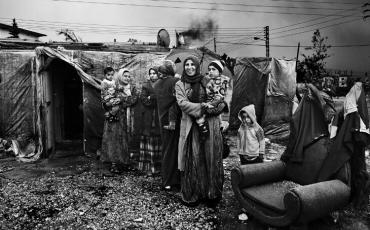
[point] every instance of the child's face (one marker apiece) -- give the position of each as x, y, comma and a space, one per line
213, 72
109, 75
246, 118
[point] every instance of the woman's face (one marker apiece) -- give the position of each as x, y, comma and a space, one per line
126, 78
213, 72
190, 68
153, 76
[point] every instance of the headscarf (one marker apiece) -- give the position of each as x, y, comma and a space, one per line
197, 76
167, 68
119, 75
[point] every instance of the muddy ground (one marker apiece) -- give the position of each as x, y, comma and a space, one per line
77, 192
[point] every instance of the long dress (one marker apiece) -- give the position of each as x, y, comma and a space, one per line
168, 111
150, 155
199, 162
115, 135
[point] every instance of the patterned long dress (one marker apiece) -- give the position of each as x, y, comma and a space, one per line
150, 155
116, 136
200, 162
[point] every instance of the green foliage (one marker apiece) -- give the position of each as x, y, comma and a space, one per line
312, 68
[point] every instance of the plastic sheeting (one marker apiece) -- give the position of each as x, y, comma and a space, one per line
250, 82
22, 96
280, 93
270, 85
18, 115
282, 78
16, 95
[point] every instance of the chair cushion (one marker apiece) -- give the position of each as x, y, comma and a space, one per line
270, 195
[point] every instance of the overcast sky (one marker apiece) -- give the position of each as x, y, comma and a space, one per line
290, 22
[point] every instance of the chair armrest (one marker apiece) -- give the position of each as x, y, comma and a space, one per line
319, 199
254, 174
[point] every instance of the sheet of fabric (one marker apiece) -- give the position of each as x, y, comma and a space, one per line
250, 82
307, 125
349, 137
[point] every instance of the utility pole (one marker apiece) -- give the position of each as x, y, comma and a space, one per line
296, 60
267, 40
214, 43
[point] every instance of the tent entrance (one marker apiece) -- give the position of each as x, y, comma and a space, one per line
66, 107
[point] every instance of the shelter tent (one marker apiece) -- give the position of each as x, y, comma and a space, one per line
270, 85
52, 96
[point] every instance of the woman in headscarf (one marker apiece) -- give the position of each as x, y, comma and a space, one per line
200, 161
169, 120
150, 140
117, 128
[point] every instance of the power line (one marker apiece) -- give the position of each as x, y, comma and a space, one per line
294, 46
126, 26
194, 8
324, 27
319, 23
307, 21
321, 2
244, 5
314, 19
131, 31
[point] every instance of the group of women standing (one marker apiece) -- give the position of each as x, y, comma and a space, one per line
171, 141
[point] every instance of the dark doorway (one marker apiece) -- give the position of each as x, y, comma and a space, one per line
67, 107
73, 115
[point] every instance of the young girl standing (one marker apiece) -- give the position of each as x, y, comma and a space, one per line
251, 140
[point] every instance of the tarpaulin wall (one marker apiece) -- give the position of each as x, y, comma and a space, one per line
280, 92
270, 85
17, 95
250, 82
89, 66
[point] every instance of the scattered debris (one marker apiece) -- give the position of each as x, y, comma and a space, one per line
243, 217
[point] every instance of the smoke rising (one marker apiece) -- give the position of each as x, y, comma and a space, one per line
200, 30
